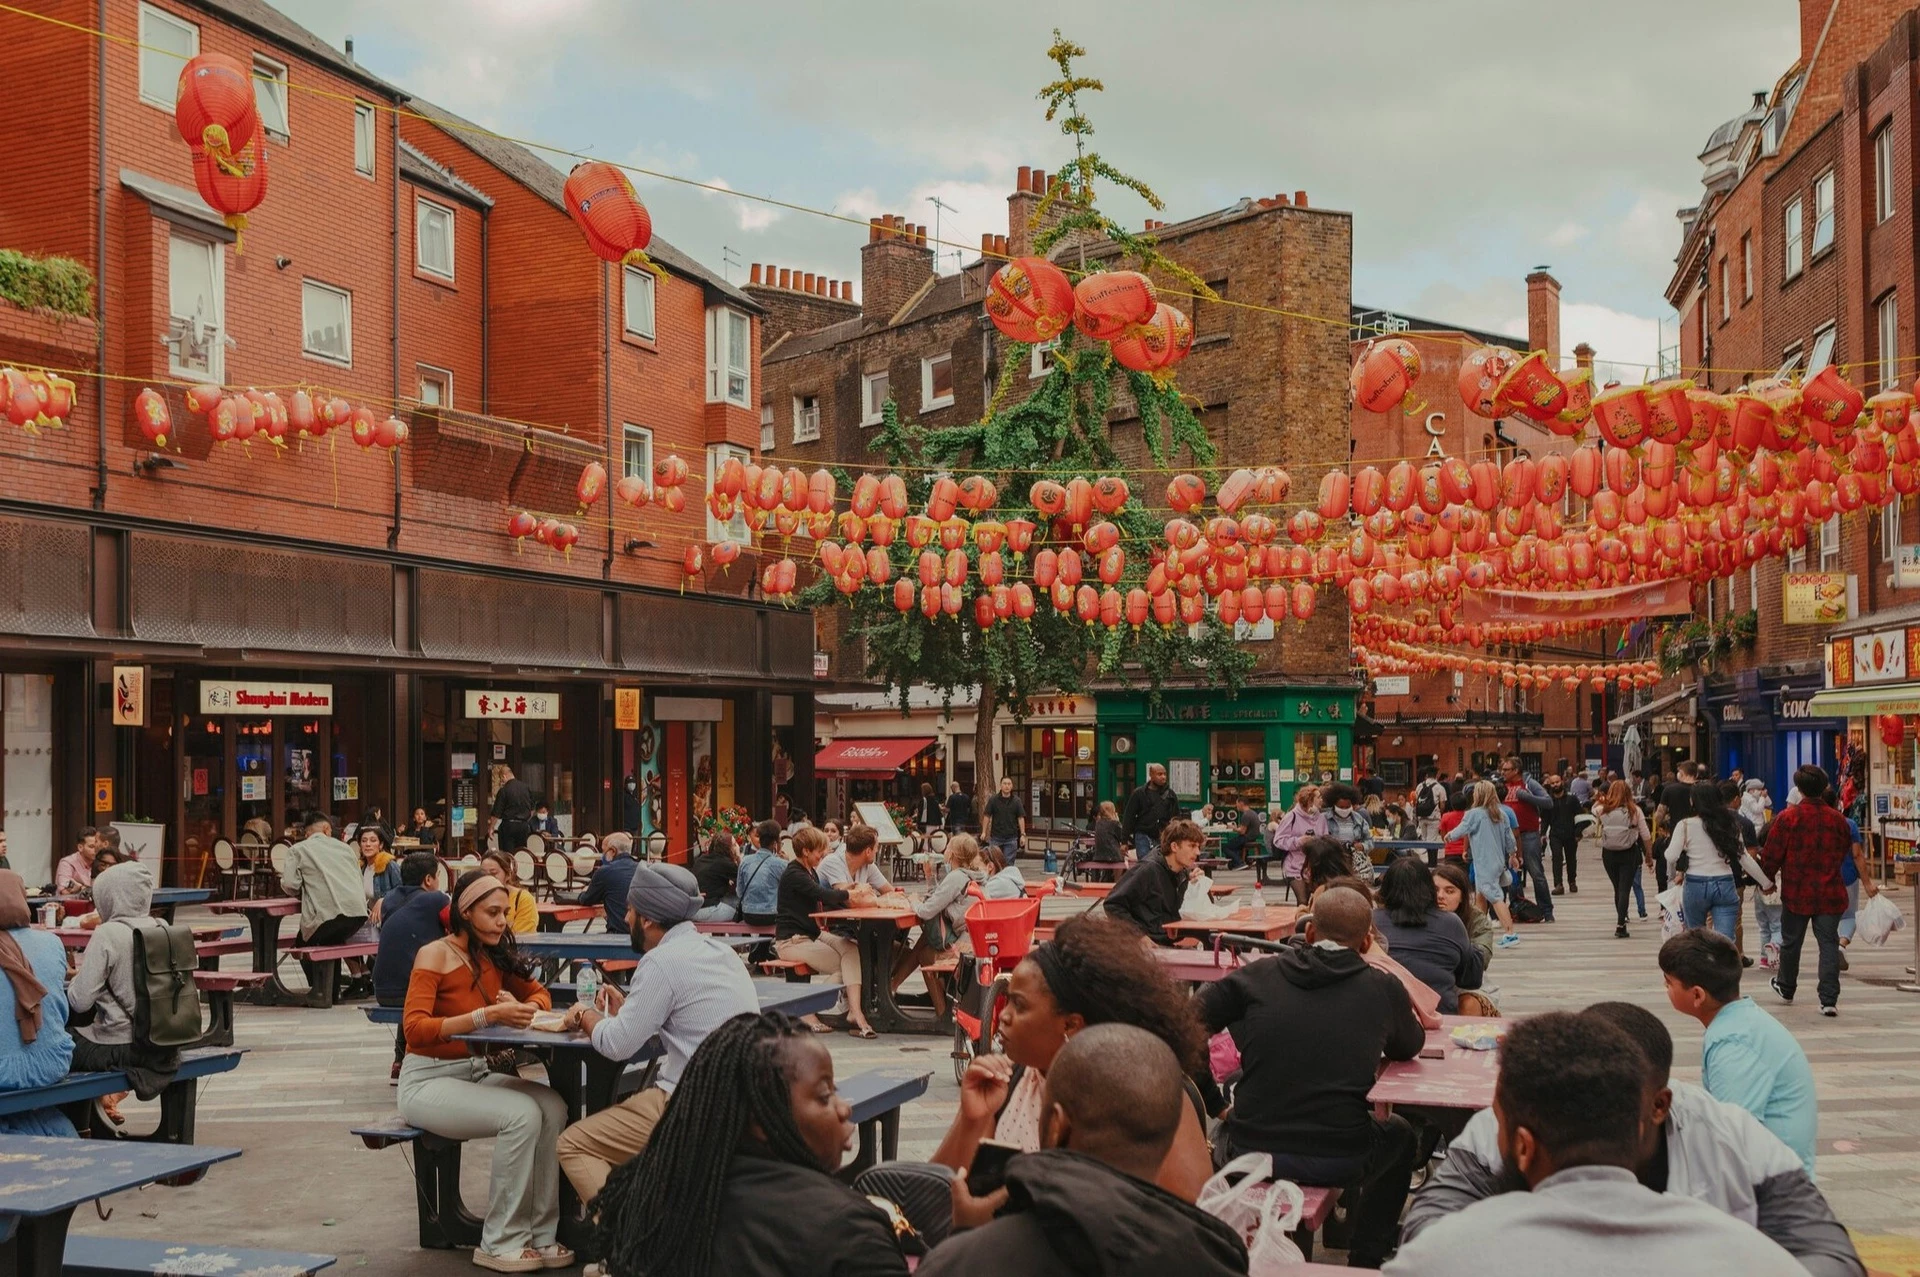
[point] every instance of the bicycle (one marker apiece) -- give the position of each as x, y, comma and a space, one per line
1002, 932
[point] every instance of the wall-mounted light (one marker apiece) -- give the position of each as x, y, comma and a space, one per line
282, 262
638, 543
144, 467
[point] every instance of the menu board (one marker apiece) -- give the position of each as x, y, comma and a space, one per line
876, 818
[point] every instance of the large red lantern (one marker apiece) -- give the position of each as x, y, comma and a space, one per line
601, 202
1030, 299
1893, 730
234, 187
1158, 344
213, 106
1107, 303
150, 413
1384, 374
1481, 373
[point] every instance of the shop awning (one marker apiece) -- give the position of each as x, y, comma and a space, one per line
868, 758
1858, 702
1649, 709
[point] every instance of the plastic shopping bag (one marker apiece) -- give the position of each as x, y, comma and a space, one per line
1878, 919
1672, 923
1196, 904
1262, 1210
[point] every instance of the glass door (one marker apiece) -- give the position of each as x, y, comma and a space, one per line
203, 781
303, 779
253, 777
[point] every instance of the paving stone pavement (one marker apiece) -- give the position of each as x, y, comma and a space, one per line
305, 1184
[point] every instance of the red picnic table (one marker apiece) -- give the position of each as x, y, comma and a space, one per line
1277, 922
1462, 1078
263, 921
555, 915
874, 929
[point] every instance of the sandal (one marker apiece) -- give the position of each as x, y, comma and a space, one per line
864, 1032
555, 1256
527, 1260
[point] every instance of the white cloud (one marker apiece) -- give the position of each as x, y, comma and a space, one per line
1566, 235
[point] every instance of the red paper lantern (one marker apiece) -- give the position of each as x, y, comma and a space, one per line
1185, 492
1030, 300
602, 203
392, 432
213, 106
632, 489
1893, 730
1107, 303
1481, 373
150, 414
1384, 374
520, 527
1158, 344
234, 187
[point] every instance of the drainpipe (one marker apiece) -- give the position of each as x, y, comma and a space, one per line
606, 384
486, 309
393, 147
100, 261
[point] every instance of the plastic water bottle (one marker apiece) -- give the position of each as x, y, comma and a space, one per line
589, 993
1259, 903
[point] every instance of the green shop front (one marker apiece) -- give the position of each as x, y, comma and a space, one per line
1264, 743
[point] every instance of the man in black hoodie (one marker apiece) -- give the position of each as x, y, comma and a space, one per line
1086, 1205
1312, 1025
409, 920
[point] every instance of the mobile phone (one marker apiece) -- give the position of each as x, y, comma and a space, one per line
988, 1173
1433, 1053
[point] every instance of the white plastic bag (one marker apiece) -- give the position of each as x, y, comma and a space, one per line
1263, 1211
1878, 919
1672, 922
1196, 903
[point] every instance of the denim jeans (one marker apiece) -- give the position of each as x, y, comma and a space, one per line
1532, 868
1766, 919
727, 910
1853, 907
1715, 897
1009, 847
1144, 844
1826, 934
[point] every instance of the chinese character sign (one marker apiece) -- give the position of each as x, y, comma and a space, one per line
543, 705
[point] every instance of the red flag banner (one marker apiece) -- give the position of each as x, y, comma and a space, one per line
1622, 603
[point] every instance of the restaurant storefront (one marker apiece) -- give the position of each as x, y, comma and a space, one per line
1872, 682
1764, 726
1050, 756
1265, 743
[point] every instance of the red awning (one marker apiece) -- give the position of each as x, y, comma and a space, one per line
874, 758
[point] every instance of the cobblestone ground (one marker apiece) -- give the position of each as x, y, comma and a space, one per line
305, 1184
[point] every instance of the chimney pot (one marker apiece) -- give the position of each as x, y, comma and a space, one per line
873, 230
1583, 356
1300, 199
1039, 186
820, 286
1543, 315
786, 277
1023, 180
833, 290
986, 243
755, 277
808, 286
1000, 245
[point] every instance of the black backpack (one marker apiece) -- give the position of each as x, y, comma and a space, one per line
1426, 804
166, 1003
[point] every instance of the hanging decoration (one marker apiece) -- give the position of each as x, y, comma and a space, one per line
602, 203
1384, 374
1030, 300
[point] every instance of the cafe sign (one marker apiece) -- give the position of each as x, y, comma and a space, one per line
1816, 598
220, 697
1884, 656
513, 704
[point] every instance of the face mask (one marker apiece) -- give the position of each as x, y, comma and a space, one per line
631, 786
1344, 809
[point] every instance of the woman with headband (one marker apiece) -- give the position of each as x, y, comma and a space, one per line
470, 979
1094, 971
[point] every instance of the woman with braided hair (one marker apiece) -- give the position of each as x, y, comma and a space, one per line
1093, 971
738, 1177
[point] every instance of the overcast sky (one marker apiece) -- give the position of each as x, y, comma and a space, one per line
1471, 139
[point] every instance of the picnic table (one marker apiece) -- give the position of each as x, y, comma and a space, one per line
47, 1178
1277, 922
556, 914
1460, 1079
874, 931
1199, 966
165, 900
263, 921
77, 937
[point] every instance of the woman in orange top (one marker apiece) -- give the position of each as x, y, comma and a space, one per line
470, 979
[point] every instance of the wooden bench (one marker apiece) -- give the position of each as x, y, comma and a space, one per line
115, 1256
219, 988
327, 958
945, 966
876, 1099
76, 1092
795, 972
211, 951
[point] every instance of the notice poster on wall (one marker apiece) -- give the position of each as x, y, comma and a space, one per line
1183, 777
199, 782
253, 789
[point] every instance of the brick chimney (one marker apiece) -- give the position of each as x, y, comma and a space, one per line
1029, 188
799, 302
895, 263
1813, 21
1583, 356
1543, 315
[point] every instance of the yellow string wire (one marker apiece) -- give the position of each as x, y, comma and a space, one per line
461, 126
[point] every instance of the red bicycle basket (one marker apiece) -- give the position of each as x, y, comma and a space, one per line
1002, 931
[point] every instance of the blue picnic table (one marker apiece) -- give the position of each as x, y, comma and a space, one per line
47, 1178
164, 899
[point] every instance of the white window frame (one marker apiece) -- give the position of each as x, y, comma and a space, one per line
630, 435
162, 95
729, 371
1820, 353
1793, 224
806, 423
423, 209
735, 529
1746, 268
1890, 530
217, 347
429, 372
928, 401
1726, 290
768, 440
1830, 541
629, 277
1883, 197
1753, 587
365, 128
1797, 558
1040, 362
870, 415
1823, 213
269, 77
308, 286
1887, 319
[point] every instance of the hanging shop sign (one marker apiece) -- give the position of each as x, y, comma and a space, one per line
1816, 598
129, 696
1622, 603
1906, 566
494, 703
218, 697
626, 709
1393, 685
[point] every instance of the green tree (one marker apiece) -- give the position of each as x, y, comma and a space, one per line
1058, 432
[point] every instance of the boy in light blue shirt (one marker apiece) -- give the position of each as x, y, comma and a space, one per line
1749, 1058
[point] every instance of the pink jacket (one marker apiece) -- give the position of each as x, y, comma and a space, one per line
1293, 829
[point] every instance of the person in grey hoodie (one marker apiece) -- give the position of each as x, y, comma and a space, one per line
1086, 1204
100, 997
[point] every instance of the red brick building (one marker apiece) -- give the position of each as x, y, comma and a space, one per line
1264, 385
1456, 722
407, 261
1800, 253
